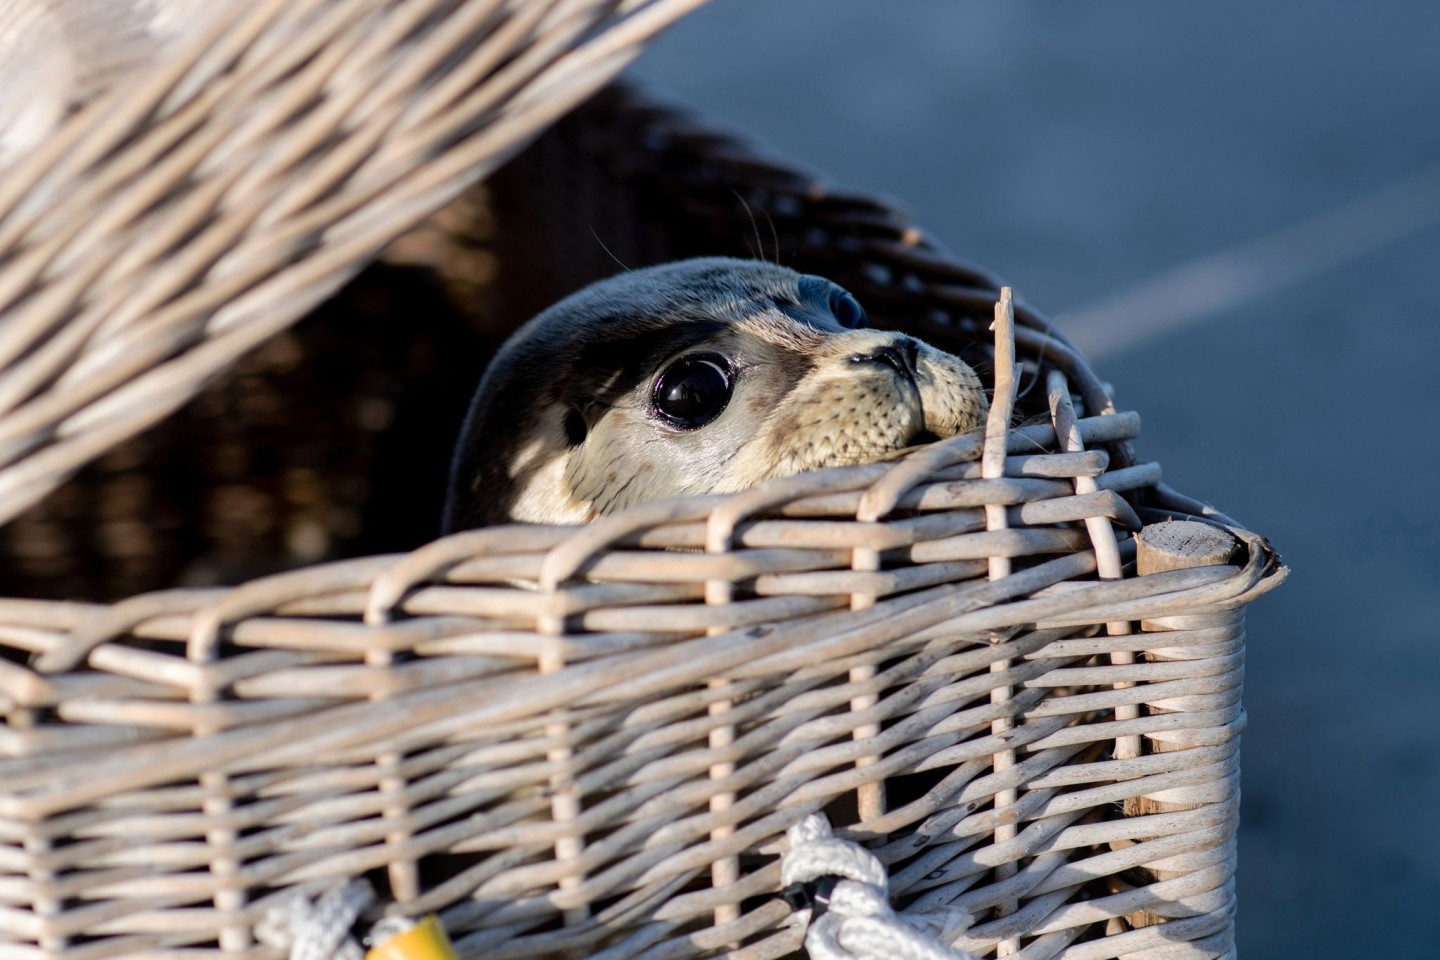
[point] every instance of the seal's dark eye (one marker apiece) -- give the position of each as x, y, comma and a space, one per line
693, 390
847, 310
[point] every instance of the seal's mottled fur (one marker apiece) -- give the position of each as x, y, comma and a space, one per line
561, 430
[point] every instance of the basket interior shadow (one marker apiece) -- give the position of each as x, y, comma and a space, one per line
333, 441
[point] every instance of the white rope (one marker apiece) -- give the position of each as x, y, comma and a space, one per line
321, 930
843, 896
840, 889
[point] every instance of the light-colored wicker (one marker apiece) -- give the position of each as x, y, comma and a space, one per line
958, 656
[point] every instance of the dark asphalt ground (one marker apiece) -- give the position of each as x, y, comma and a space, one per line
1117, 163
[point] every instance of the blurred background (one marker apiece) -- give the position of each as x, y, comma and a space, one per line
1235, 207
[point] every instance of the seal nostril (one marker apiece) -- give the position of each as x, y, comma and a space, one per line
910, 350
900, 356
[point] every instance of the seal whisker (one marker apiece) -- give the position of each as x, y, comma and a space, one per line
774, 234
611, 253
755, 227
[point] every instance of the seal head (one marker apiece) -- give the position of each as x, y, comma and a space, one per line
703, 376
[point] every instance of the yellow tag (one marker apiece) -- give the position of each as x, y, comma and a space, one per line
424, 941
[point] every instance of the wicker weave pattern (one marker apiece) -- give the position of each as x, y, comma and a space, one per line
192, 213
606, 762
323, 747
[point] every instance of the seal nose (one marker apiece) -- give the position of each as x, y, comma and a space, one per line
899, 356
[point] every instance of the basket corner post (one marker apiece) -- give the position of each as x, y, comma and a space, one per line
1192, 720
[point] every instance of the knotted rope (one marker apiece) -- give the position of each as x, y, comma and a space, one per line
841, 893
839, 890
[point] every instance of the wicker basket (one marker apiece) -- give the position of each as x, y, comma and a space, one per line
1011, 676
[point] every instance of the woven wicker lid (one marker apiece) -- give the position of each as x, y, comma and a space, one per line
212, 195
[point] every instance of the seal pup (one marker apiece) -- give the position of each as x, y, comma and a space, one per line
702, 376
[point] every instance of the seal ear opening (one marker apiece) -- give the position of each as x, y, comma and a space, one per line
575, 427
